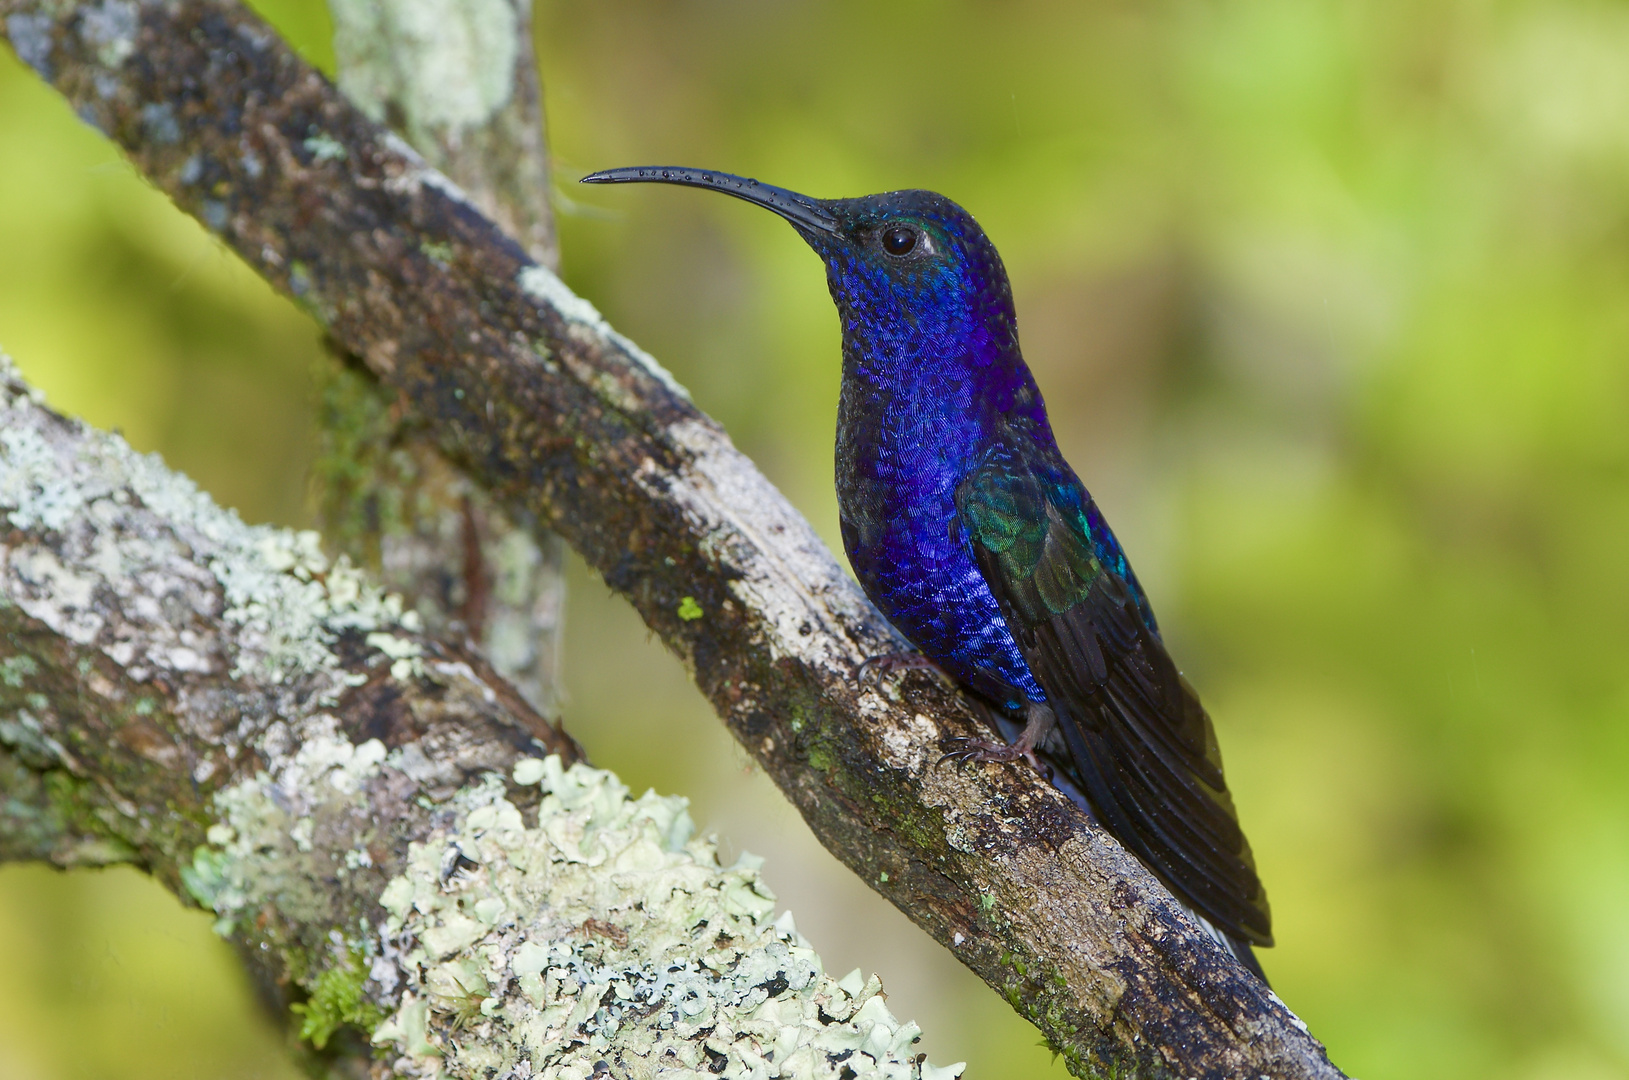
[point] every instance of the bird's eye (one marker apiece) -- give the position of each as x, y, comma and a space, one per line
899, 241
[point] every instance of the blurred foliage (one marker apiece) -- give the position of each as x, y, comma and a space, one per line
1330, 301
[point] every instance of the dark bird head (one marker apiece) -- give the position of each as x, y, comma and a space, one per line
913, 275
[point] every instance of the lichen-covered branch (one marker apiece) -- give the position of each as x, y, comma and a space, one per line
406, 854
563, 418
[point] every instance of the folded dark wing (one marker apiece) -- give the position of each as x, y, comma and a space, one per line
1143, 748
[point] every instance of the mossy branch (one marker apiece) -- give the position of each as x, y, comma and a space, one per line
567, 421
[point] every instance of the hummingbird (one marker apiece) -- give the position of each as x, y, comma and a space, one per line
970, 532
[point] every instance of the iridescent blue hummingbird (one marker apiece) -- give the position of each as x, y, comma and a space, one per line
968, 529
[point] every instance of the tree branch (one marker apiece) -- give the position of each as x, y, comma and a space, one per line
366, 808
458, 80
559, 415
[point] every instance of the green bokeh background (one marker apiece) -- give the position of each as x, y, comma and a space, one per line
1330, 301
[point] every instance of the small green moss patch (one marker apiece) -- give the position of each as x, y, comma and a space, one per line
337, 1000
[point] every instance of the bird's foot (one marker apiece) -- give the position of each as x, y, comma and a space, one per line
1039, 721
965, 749
897, 663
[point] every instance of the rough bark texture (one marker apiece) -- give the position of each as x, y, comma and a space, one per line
457, 79
369, 811
562, 417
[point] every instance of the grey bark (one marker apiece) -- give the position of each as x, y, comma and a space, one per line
529, 388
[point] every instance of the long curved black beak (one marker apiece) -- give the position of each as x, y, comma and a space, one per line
801, 210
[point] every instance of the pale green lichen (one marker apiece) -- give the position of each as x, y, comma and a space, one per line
324, 147
603, 931
606, 932
406, 655
261, 848
447, 65
15, 669
529, 771
689, 610
284, 599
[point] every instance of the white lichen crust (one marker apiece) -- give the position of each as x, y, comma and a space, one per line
112, 541
603, 932
448, 64
606, 937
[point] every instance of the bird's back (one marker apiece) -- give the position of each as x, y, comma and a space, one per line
1140, 745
